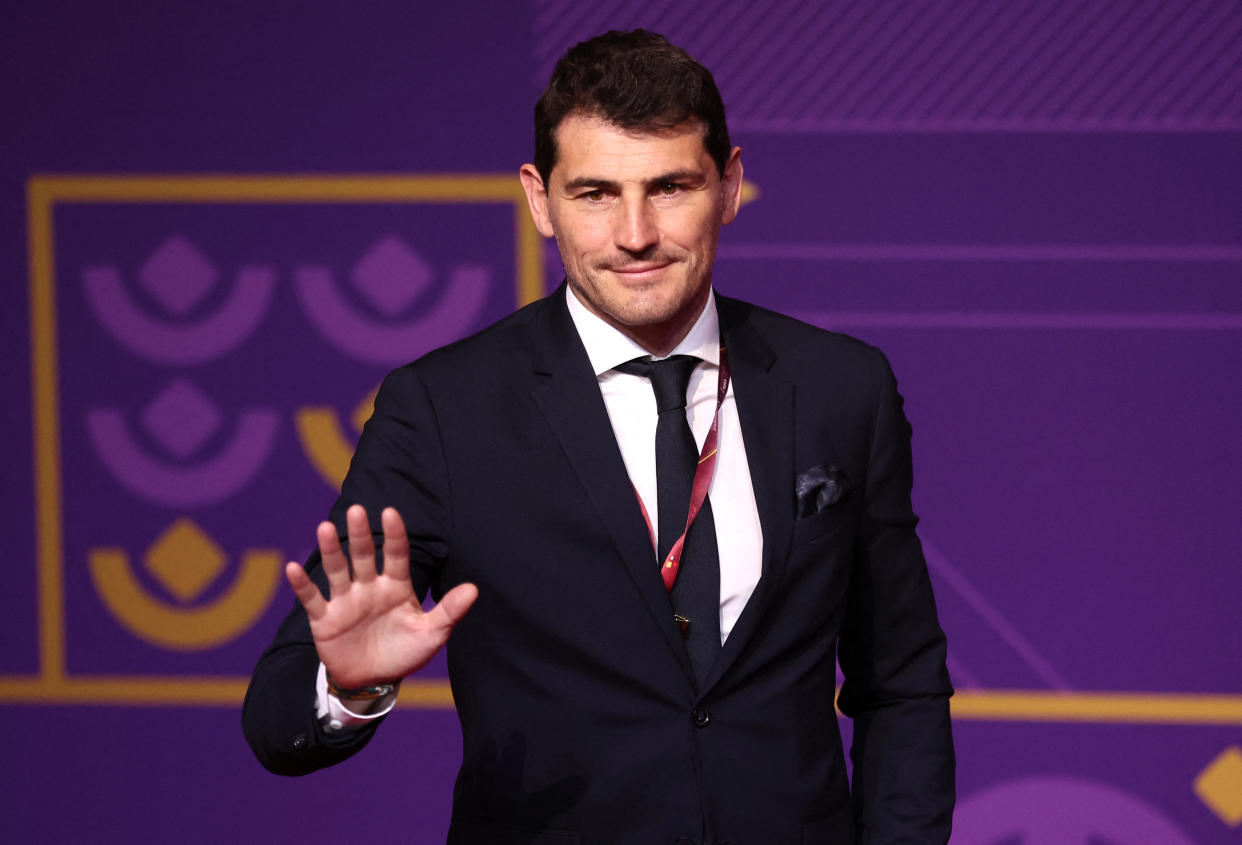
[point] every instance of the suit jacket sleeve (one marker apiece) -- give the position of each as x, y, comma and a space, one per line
399, 463
892, 652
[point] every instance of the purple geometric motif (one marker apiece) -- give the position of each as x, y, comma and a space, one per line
178, 275
944, 67
391, 275
950, 575
1061, 811
181, 419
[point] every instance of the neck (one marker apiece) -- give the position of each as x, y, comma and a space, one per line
656, 340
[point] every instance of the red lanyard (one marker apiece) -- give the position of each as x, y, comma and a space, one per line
702, 481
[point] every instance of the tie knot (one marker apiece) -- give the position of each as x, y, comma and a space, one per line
670, 377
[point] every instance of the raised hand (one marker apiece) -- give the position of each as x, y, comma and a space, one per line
372, 629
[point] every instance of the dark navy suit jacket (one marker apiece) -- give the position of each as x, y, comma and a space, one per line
580, 717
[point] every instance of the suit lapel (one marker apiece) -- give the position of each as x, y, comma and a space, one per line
765, 410
567, 393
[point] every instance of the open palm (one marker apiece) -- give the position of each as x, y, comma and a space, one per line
372, 628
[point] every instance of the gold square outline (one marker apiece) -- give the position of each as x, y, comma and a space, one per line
52, 685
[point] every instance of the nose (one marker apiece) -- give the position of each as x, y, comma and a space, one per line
636, 230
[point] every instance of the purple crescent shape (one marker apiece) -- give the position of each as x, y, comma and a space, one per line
1061, 811
170, 343
365, 340
173, 486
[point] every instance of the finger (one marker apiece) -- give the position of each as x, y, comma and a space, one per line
361, 544
453, 606
306, 591
396, 545
335, 566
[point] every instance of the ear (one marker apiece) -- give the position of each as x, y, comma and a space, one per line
537, 199
731, 186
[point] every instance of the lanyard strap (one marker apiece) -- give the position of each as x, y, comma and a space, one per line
702, 481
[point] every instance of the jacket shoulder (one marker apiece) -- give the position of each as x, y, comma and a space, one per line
496, 349
797, 345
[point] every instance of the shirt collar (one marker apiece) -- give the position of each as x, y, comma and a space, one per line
607, 347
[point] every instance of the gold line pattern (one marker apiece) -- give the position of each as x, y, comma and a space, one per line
974, 705
46, 432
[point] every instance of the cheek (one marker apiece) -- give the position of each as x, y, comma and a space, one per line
692, 232
583, 238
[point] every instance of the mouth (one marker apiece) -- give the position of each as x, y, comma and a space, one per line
640, 272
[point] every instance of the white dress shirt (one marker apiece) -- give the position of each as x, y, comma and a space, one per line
632, 409
631, 406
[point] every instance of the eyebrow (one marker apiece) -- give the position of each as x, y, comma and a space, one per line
685, 174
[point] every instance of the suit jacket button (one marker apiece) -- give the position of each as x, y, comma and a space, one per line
701, 717
299, 741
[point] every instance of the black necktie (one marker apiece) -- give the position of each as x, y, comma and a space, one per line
696, 593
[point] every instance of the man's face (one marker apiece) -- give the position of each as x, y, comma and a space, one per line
636, 216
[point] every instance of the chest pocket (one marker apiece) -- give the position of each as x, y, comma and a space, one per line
840, 516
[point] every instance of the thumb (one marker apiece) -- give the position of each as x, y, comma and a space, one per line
453, 605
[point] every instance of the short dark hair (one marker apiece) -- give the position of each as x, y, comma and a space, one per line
634, 80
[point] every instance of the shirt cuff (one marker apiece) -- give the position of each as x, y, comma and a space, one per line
334, 715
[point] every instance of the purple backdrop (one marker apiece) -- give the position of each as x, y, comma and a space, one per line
225, 222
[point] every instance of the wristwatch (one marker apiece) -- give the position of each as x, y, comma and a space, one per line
368, 693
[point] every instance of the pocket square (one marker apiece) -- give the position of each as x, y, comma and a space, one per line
820, 487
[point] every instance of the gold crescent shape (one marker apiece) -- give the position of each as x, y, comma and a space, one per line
185, 629
324, 443
364, 410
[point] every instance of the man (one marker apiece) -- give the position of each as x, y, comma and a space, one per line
616, 681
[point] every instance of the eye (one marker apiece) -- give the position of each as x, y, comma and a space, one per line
594, 196
668, 189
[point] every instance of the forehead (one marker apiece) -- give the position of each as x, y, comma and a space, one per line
591, 147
